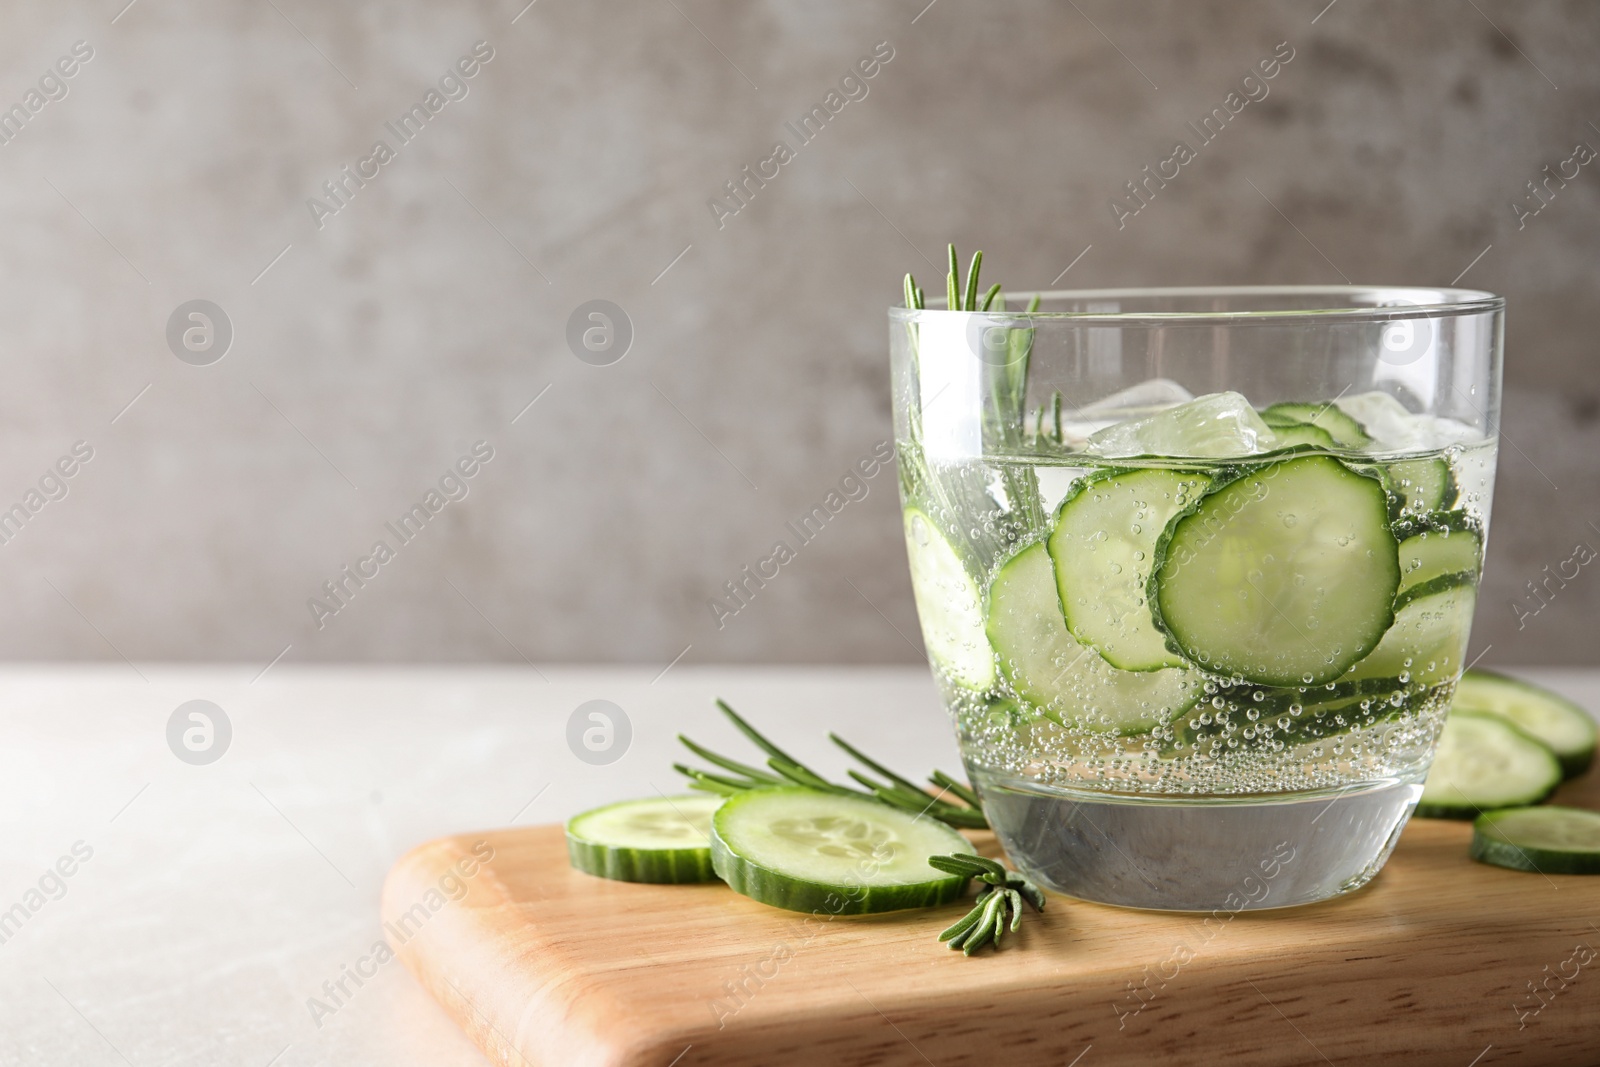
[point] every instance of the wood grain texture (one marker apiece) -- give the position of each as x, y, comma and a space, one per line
543, 965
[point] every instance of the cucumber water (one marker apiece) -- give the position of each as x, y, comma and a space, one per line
1283, 607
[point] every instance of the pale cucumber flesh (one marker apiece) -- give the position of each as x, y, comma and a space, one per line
1426, 644
1433, 554
1564, 726
949, 604
1049, 669
1285, 576
1483, 763
1103, 547
658, 839
806, 850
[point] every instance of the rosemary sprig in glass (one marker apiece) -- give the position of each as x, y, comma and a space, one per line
784, 769
1004, 892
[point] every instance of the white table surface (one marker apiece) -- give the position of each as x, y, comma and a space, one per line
218, 899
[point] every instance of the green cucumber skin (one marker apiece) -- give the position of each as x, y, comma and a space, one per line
1163, 545
1457, 813
777, 890
1457, 520
1350, 432
1573, 762
1312, 438
1442, 583
1498, 853
1315, 723
675, 866
1536, 860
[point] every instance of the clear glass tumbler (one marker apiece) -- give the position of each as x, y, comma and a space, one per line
1196, 569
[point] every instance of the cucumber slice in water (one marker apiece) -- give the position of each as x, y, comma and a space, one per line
1068, 681
805, 850
658, 839
1294, 434
1103, 546
1558, 722
1285, 576
1421, 486
1433, 554
1551, 840
948, 603
1483, 763
1346, 431
1427, 643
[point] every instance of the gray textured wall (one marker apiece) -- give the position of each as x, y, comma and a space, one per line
431, 308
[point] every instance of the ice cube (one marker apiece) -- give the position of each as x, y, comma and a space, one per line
1393, 428
1216, 425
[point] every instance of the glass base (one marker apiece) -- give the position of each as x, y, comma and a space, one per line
1232, 853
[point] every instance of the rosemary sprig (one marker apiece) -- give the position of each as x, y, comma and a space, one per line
986, 922
784, 769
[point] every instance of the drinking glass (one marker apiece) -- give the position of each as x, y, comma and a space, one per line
1196, 569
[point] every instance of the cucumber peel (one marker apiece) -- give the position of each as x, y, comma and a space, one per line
1548, 840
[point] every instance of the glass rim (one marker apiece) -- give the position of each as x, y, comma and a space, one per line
1410, 302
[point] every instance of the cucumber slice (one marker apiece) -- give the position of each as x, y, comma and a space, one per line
949, 605
805, 850
1550, 840
1103, 544
1482, 763
1434, 554
658, 839
1346, 431
1558, 722
1427, 643
1284, 576
1421, 486
1295, 434
1047, 667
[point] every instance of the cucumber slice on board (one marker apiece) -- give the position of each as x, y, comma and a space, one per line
1346, 431
1427, 644
658, 839
1103, 545
1483, 763
806, 850
1433, 554
1551, 840
948, 603
1068, 681
1421, 486
1283, 576
1558, 722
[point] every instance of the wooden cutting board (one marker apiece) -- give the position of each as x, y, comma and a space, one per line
1429, 964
